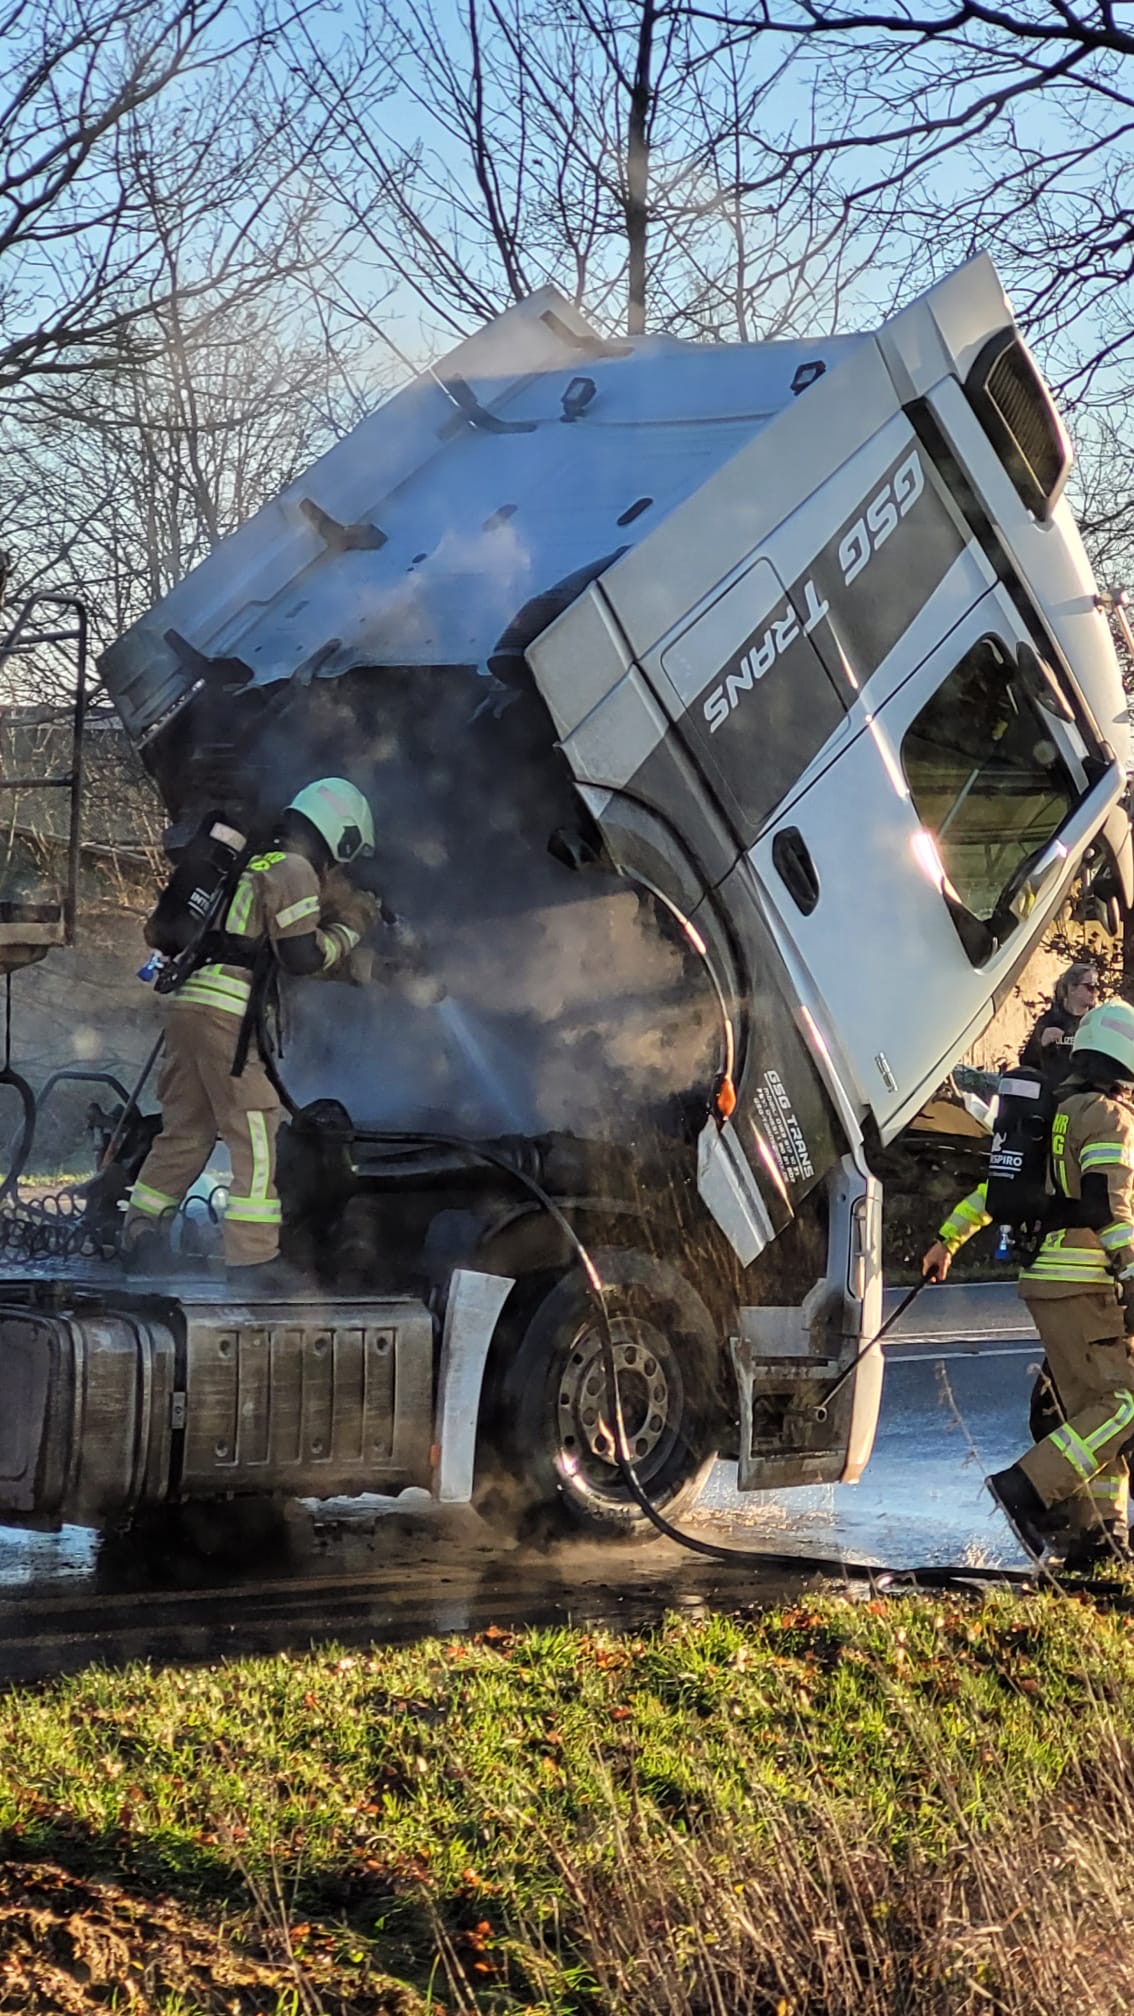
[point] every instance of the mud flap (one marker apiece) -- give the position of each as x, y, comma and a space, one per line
787, 1358
471, 1313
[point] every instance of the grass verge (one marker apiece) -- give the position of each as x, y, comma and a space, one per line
916, 1805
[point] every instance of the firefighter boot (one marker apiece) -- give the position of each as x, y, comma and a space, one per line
1107, 1546
149, 1252
1024, 1509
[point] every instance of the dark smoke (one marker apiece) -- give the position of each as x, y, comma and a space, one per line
517, 995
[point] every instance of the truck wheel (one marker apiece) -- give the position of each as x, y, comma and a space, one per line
555, 1437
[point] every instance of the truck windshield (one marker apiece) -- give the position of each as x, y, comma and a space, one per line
988, 782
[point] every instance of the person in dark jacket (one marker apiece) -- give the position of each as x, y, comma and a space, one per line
1048, 1048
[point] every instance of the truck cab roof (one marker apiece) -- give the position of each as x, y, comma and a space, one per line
535, 454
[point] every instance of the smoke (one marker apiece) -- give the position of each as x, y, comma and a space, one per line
461, 589
515, 996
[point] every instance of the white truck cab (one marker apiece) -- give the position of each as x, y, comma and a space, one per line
791, 649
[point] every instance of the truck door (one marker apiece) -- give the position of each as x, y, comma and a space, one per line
903, 869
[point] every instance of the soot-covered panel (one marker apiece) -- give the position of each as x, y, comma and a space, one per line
514, 994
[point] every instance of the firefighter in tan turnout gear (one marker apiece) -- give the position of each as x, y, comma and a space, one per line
1079, 1289
214, 1081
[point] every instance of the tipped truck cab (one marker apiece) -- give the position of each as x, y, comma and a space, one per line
736, 718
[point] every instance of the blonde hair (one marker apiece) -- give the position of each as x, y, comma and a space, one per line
1071, 978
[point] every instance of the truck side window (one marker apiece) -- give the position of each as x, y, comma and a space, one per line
989, 786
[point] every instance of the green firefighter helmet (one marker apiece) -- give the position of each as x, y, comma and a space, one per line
1108, 1031
340, 815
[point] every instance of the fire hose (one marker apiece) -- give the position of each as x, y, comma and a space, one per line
55, 1229
923, 1577
54, 1225
693, 1543
820, 1411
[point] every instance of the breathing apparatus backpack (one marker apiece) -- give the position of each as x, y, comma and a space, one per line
195, 898
1019, 1197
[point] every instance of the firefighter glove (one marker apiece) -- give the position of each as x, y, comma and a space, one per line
1126, 1291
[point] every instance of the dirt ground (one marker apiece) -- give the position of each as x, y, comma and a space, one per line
72, 1942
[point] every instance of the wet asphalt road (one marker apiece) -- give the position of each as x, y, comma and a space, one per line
947, 1420
954, 1407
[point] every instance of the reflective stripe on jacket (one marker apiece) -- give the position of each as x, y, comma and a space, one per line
965, 1218
277, 897
1091, 1133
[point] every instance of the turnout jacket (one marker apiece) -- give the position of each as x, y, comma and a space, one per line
277, 898
1092, 1135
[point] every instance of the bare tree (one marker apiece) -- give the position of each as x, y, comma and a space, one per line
84, 82
131, 477
971, 124
176, 362
610, 147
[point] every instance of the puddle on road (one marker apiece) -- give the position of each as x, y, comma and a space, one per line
921, 1501
28, 1559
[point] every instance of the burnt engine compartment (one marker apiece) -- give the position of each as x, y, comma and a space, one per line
511, 995
368, 1212
560, 1018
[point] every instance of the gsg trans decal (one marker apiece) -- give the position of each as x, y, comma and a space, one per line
854, 548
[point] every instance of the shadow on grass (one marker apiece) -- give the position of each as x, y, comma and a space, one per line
82, 1927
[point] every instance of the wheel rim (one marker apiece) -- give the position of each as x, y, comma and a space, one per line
652, 1393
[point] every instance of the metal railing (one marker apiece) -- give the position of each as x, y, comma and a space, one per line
42, 623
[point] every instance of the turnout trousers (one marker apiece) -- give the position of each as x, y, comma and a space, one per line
1081, 1464
201, 1101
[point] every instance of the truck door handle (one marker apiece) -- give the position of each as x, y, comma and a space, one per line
795, 868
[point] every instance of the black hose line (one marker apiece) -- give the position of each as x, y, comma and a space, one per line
848, 1371
52, 1227
130, 1105
27, 1099
928, 1577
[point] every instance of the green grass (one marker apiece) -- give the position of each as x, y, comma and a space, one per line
561, 1822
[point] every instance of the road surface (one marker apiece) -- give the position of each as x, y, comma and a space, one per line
954, 1406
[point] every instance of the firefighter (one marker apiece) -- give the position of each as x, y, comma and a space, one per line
1079, 1290
288, 911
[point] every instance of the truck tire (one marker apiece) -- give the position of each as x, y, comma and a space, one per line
552, 1460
